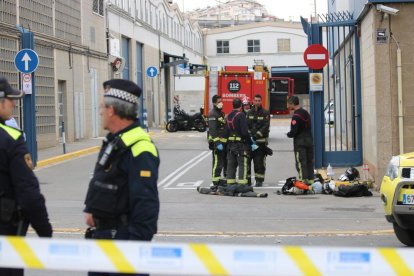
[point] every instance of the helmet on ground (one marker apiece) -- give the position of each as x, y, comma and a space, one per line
343, 177
352, 173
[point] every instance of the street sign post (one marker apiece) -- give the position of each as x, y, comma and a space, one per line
26, 61
152, 72
316, 56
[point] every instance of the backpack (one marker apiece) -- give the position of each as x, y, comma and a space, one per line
356, 190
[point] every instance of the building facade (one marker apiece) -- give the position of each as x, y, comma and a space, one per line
275, 43
82, 43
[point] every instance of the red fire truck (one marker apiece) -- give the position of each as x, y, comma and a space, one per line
236, 82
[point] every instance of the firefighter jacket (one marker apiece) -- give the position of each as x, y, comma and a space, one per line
19, 187
259, 124
217, 132
124, 183
237, 127
300, 127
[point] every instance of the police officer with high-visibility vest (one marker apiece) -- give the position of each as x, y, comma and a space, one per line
258, 120
122, 201
217, 138
239, 144
21, 203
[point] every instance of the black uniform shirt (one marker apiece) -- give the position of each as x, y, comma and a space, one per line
259, 122
300, 124
18, 182
239, 122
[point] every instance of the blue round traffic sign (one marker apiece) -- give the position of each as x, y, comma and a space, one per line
26, 61
152, 72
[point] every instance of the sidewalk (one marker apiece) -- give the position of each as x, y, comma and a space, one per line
75, 149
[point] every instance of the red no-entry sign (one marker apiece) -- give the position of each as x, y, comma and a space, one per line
316, 56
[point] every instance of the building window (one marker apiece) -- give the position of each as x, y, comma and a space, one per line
283, 45
222, 47
253, 46
98, 7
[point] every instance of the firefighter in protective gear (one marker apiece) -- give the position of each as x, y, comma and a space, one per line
300, 131
258, 120
217, 138
122, 201
21, 202
238, 144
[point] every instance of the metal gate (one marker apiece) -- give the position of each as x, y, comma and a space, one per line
336, 111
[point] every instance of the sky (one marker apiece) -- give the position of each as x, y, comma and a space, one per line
285, 9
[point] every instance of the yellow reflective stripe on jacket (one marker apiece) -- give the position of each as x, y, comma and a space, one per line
234, 139
14, 133
140, 140
142, 146
132, 136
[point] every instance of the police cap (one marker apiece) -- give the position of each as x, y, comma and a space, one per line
6, 91
125, 90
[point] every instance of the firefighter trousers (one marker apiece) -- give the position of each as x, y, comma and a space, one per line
219, 164
259, 161
237, 158
304, 161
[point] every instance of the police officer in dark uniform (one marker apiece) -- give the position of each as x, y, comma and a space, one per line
122, 200
217, 137
300, 131
258, 120
21, 202
238, 144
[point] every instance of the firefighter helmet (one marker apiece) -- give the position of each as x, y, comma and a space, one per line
352, 173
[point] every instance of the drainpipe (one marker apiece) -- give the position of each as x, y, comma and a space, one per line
400, 105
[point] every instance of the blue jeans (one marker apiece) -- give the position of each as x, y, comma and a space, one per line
120, 234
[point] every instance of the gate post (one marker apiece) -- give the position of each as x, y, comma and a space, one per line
316, 98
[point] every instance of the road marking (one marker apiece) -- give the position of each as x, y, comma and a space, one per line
186, 185
186, 169
181, 168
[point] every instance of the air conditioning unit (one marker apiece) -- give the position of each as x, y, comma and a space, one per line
117, 63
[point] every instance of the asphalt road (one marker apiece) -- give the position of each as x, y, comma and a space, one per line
187, 216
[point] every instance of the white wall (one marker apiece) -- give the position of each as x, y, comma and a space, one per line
268, 33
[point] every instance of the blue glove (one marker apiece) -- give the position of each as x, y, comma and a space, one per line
219, 147
254, 147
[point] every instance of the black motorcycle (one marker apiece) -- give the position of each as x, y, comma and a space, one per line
183, 121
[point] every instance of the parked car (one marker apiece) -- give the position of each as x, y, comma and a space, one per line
397, 195
329, 113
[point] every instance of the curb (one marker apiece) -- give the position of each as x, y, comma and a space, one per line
67, 156
60, 158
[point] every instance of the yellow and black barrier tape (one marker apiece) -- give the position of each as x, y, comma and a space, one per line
200, 258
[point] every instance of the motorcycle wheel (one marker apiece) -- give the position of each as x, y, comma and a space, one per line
172, 126
200, 126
